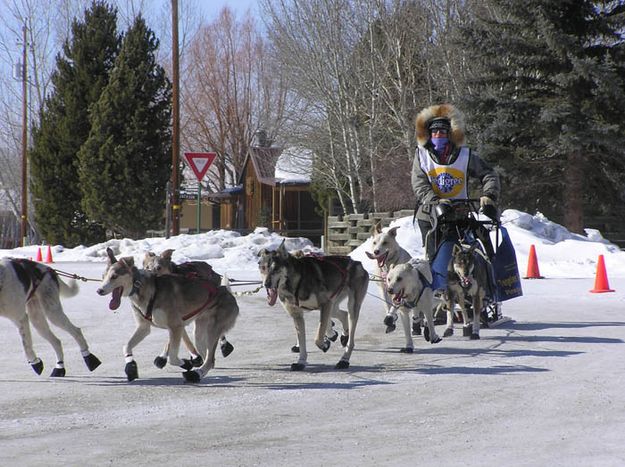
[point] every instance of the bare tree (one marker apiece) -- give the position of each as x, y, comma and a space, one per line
229, 92
40, 48
315, 41
367, 68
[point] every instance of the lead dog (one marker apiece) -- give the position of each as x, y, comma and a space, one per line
315, 283
170, 302
30, 293
387, 253
194, 270
410, 285
467, 278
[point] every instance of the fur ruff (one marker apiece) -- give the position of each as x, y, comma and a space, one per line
443, 110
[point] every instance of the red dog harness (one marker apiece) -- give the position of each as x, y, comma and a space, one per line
212, 293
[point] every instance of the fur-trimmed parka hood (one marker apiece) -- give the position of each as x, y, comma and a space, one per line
444, 110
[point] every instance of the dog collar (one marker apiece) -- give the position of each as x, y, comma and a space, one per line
136, 283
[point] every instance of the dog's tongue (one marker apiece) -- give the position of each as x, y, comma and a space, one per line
465, 282
398, 296
380, 259
272, 296
116, 298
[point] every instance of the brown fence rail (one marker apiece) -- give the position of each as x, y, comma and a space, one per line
346, 233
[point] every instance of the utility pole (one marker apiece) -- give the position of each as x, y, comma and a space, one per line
175, 203
24, 216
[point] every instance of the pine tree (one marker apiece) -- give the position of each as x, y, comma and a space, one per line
125, 163
547, 99
82, 71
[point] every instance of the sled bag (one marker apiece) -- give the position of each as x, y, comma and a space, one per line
506, 269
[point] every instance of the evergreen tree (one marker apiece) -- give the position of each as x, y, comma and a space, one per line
547, 100
82, 71
125, 162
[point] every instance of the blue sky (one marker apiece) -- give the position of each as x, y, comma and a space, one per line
213, 7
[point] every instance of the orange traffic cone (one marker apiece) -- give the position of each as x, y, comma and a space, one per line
532, 265
601, 278
38, 257
49, 255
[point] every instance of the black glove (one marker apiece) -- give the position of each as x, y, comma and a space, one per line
489, 208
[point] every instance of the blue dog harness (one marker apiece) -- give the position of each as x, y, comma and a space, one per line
428, 285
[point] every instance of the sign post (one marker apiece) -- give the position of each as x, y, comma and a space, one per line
199, 163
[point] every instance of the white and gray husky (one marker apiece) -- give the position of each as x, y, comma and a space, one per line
30, 293
315, 283
410, 285
170, 302
387, 252
193, 270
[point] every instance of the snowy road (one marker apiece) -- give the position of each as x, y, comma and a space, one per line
545, 389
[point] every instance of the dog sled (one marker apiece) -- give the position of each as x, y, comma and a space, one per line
462, 224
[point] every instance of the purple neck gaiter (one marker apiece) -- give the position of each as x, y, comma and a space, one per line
442, 147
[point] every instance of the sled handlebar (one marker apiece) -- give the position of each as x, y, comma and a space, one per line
461, 210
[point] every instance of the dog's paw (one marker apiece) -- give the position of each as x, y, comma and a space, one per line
389, 320
390, 328
37, 366
342, 365
160, 362
191, 376
448, 332
198, 361
186, 364
297, 366
226, 349
58, 373
132, 372
92, 361
406, 350
325, 346
295, 349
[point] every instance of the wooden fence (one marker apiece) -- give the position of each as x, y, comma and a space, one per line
346, 233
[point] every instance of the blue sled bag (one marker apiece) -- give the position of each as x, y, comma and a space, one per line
506, 269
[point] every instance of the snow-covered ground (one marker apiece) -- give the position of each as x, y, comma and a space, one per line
545, 389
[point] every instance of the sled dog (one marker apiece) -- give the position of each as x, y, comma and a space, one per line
194, 270
467, 278
410, 285
341, 315
387, 253
30, 293
163, 264
315, 283
170, 302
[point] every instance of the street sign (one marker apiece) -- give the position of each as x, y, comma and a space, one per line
200, 162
